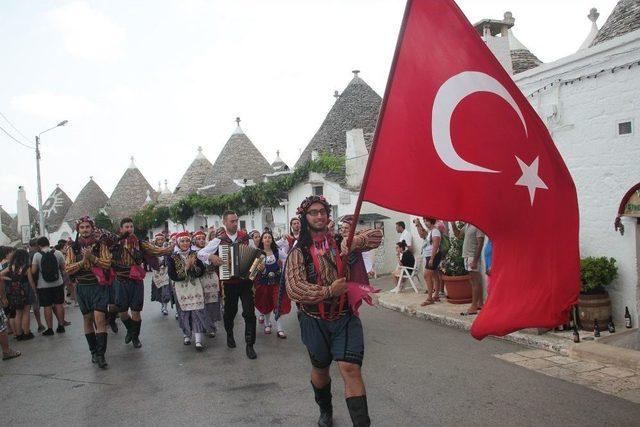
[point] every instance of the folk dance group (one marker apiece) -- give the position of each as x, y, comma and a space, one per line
307, 266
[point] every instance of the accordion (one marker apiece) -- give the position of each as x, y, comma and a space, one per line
239, 261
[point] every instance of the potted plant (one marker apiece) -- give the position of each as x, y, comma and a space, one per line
456, 279
594, 303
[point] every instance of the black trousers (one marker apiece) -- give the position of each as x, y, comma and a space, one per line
242, 290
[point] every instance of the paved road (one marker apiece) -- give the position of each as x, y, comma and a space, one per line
417, 374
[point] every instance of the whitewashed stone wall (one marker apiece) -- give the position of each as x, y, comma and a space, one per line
582, 117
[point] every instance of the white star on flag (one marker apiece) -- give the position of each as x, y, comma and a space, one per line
530, 178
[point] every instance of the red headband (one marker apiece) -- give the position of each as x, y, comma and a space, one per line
182, 234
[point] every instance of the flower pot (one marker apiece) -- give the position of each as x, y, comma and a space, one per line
594, 306
458, 289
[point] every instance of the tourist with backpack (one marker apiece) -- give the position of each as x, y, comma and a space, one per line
48, 268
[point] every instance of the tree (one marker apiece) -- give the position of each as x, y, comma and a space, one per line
104, 222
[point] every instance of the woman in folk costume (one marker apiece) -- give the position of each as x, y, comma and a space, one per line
185, 269
210, 286
160, 283
174, 299
267, 285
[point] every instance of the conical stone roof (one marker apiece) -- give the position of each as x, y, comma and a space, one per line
238, 160
165, 197
6, 224
356, 108
278, 164
130, 194
89, 202
521, 57
624, 18
55, 209
194, 177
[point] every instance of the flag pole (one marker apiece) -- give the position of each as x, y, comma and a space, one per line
365, 179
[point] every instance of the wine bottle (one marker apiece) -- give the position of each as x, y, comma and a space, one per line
611, 326
576, 335
596, 328
627, 318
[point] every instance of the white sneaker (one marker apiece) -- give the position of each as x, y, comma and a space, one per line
187, 340
212, 334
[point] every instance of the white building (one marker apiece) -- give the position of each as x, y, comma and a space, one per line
590, 102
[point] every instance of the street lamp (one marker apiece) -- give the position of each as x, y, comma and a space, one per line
40, 212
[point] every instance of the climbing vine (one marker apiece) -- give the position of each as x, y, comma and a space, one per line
251, 198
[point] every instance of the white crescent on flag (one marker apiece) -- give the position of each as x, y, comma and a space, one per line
449, 95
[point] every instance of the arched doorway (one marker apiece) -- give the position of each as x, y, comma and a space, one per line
627, 223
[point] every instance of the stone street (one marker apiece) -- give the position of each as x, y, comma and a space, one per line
417, 373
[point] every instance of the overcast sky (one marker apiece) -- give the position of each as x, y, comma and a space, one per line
155, 79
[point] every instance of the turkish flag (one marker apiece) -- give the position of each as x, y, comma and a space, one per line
457, 140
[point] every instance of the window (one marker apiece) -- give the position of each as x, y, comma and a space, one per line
318, 190
625, 127
243, 225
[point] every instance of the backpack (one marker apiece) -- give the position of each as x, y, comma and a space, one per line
49, 267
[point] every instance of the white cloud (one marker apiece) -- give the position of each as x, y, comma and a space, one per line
88, 33
52, 106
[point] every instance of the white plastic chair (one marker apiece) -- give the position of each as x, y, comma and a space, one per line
408, 273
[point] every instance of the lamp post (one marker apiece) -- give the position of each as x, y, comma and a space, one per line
40, 212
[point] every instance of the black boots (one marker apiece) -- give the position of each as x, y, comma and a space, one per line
250, 337
128, 323
251, 353
101, 348
91, 340
323, 399
359, 411
111, 319
231, 342
133, 332
135, 336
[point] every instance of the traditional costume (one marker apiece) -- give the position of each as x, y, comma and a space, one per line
211, 288
128, 254
266, 293
329, 329
234, 289
93, 279
190, 293
160, 282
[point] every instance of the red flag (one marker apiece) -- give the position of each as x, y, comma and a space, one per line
457, 140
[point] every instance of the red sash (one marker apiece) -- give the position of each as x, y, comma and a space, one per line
327, 244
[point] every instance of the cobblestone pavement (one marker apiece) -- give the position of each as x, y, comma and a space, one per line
620, 382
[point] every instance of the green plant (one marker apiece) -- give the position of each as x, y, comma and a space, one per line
453, 263
104, 222
596, 273
247, 199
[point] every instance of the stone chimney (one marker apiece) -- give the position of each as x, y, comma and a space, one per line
23, 212
356, 157
494, 32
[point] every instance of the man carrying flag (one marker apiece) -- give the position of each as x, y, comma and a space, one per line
453, 116
315, 279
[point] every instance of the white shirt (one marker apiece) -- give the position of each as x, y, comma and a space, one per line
406, 236
212, 248
427, 248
